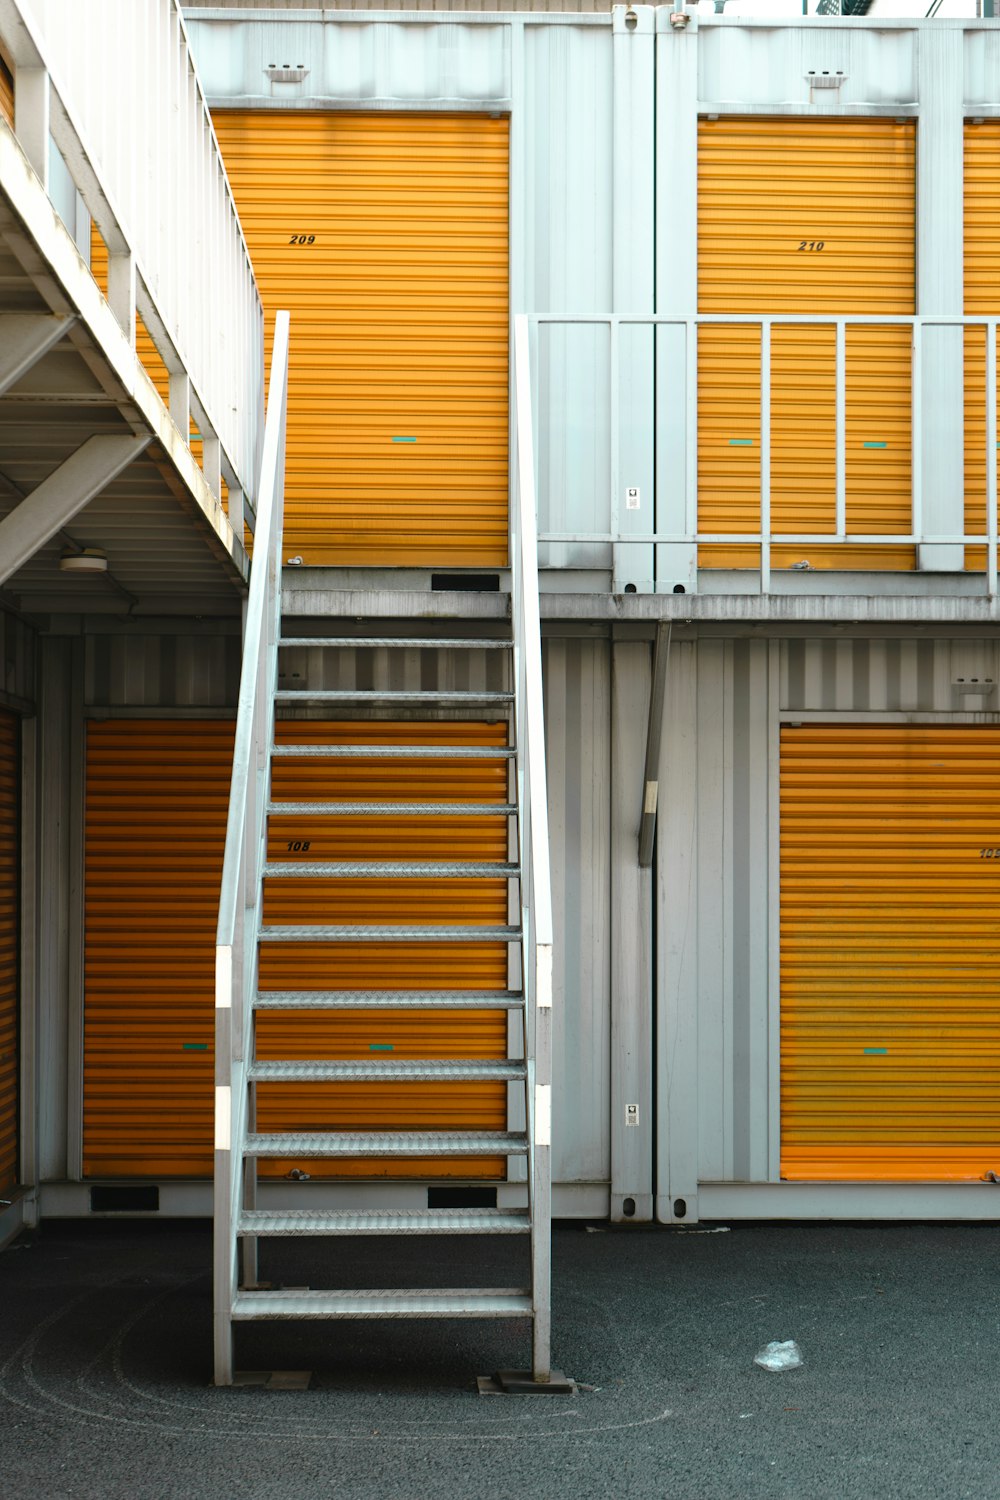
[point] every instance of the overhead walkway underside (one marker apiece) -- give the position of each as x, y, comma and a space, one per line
89, 458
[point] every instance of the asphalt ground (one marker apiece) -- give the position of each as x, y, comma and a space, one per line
105, 1362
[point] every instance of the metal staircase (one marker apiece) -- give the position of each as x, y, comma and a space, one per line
245, 928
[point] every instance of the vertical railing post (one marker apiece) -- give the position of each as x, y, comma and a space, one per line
991, 458
917, 432
765, 456
691, 429
840, 439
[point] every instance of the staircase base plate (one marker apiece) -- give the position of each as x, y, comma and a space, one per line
523, 1383
274, 1380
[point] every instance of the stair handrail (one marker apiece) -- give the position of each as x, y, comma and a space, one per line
239, 899
533, 839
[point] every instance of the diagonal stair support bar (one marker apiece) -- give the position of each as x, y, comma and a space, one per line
25, 338
58, 498
654, 736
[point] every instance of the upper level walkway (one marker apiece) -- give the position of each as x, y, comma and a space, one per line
131, 332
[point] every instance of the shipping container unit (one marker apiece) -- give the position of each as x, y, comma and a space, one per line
757, 260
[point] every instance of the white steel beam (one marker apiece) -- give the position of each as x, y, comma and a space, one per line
24, 339
632, 389
676, 294
62, 495
937, 377
31, 118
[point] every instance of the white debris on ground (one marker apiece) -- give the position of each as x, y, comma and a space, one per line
777, 1356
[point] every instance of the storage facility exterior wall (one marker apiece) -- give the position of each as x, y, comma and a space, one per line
681, 1115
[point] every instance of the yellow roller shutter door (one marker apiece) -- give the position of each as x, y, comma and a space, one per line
890, 952
10, 880
386, 238
982, 298
156, 811
801, 216
157, 795
6, 94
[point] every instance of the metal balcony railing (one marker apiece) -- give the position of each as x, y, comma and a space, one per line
661, 418
112, 84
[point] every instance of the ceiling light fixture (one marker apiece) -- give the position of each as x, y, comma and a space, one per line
89, 560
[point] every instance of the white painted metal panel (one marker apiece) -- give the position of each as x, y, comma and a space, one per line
397, 61
770, 64
578, 752
162, 671
901, 675
981, 45
562, 206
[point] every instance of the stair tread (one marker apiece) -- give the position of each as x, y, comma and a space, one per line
386, 1143
420, 1302
379, 869
398, 752
303, 1221
394, 809
365, 934
390, 695
386, 1069
388, 1000
406, 642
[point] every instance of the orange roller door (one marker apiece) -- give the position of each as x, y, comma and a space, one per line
890, 952
6, 94
155, 827
10, 880
803, 216
386, 238
982, 298
157, 799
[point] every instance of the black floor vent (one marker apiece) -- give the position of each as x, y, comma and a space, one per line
461, 1197
125, 1200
